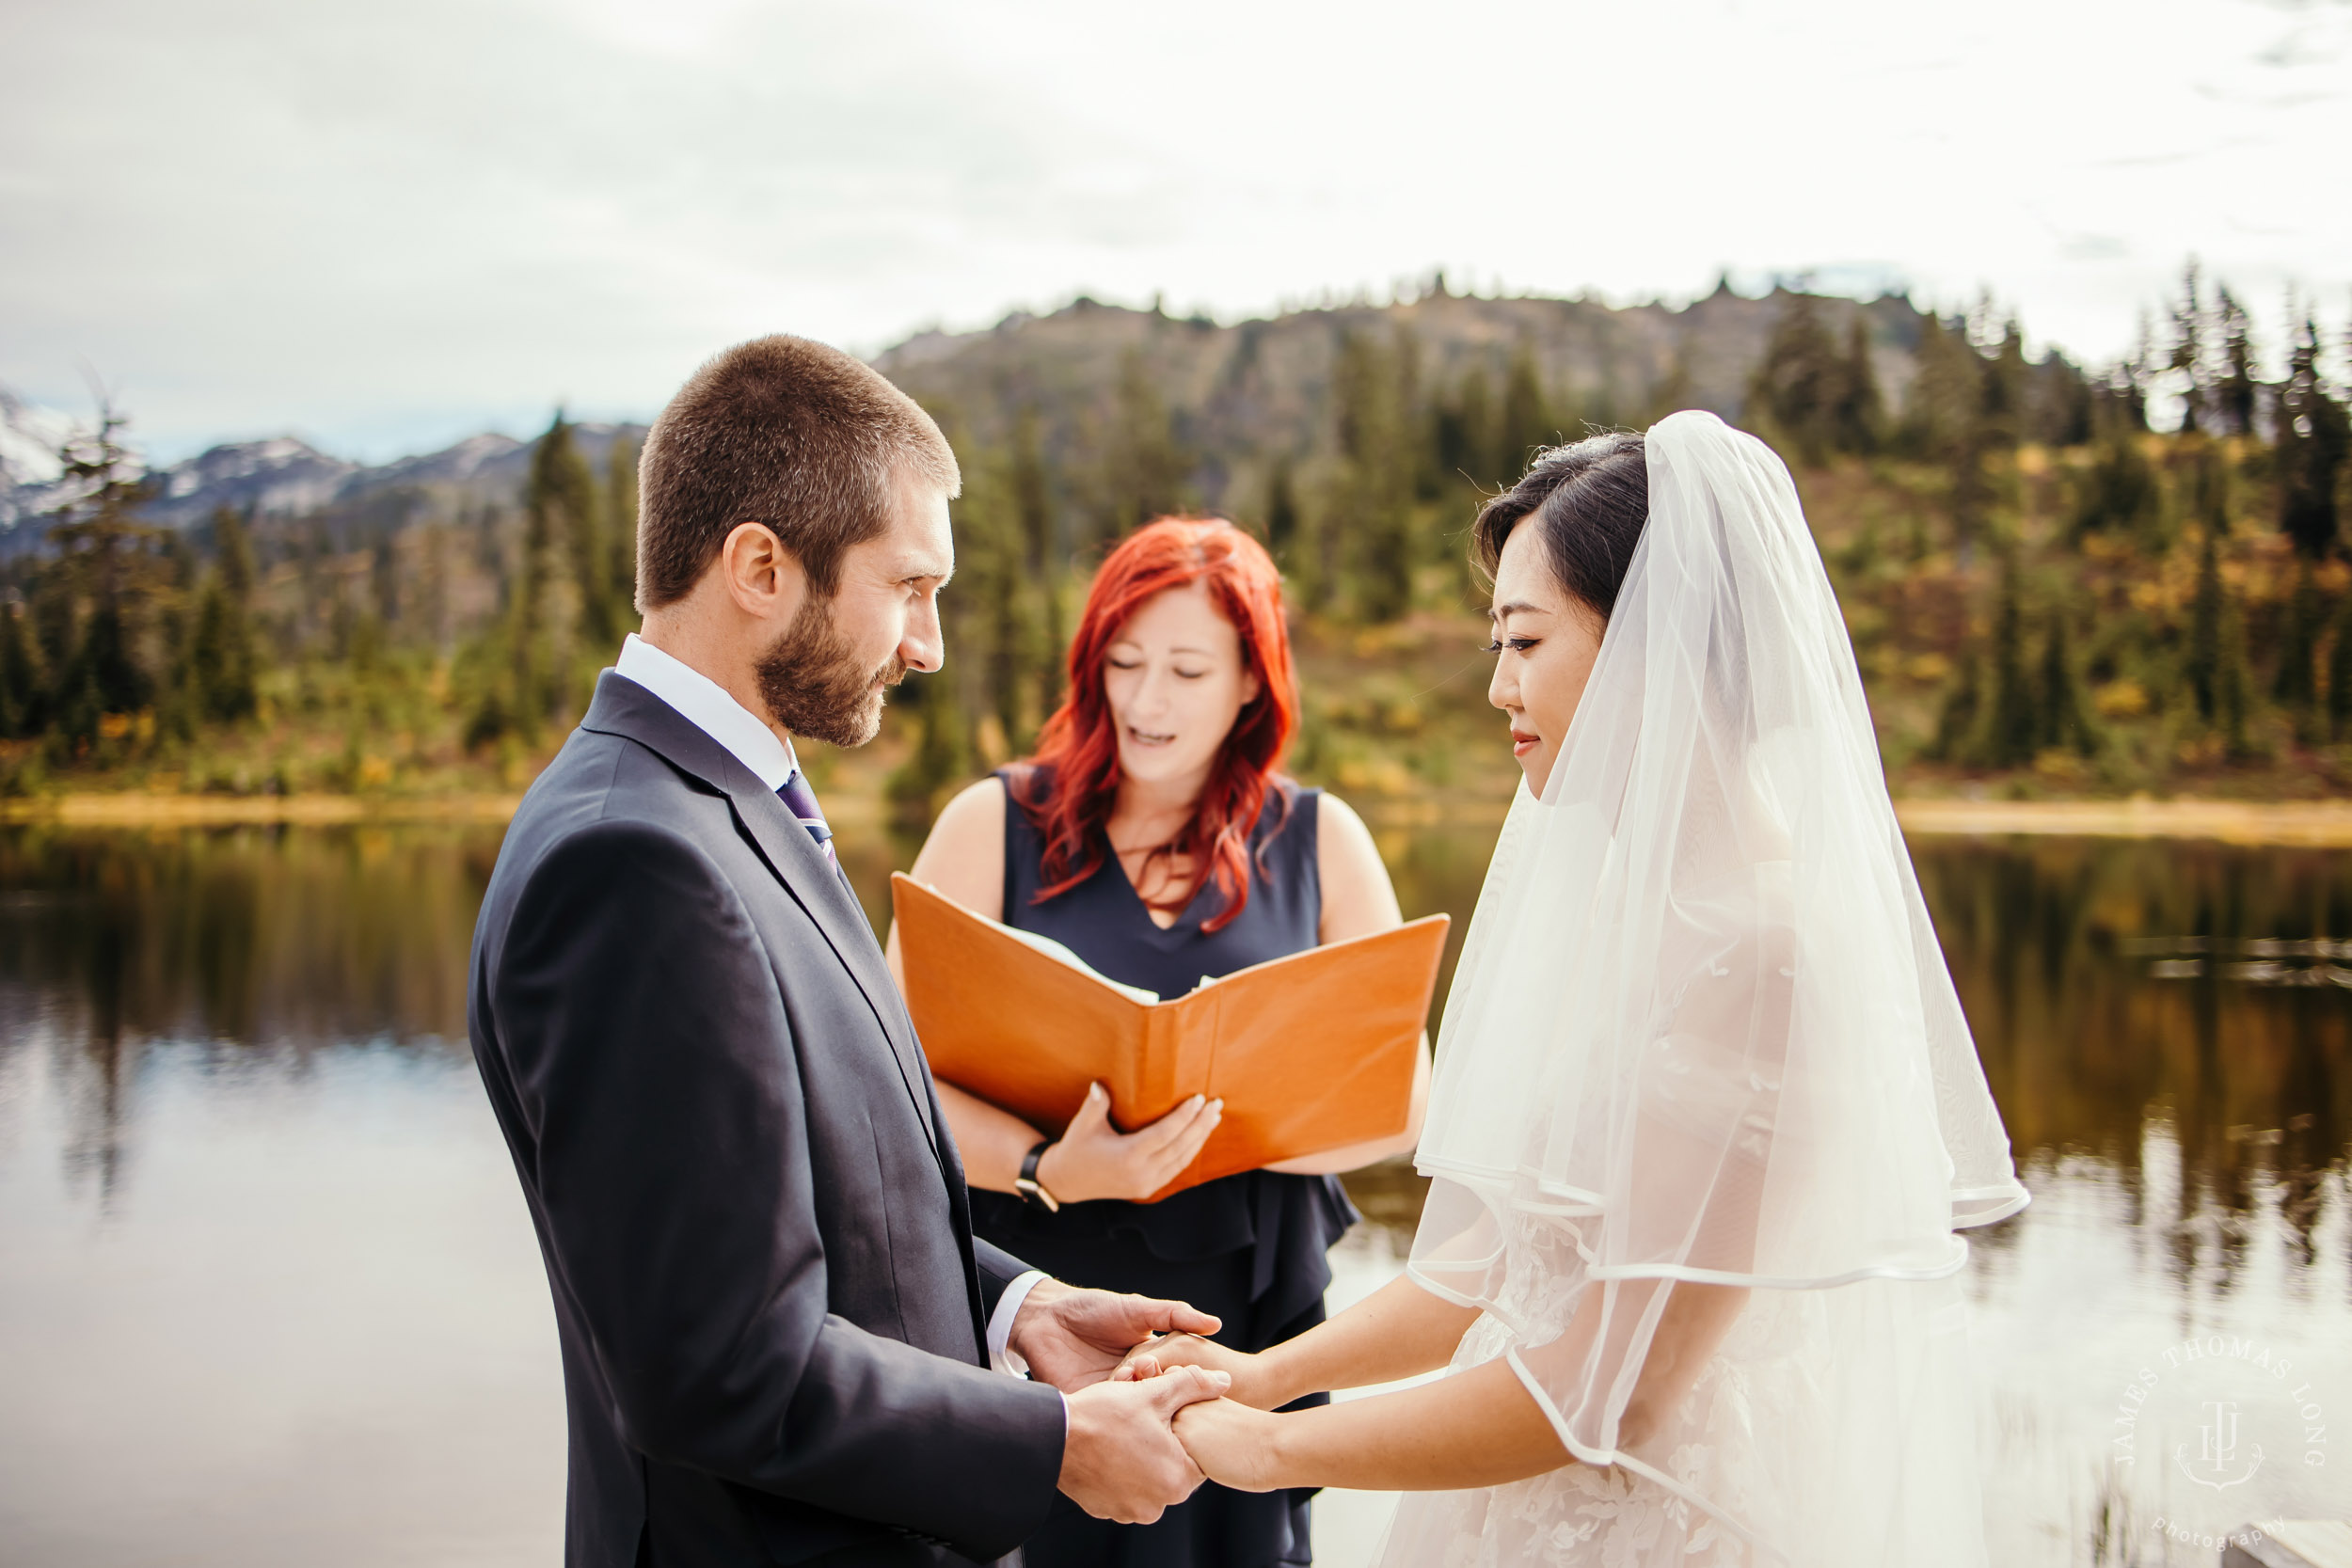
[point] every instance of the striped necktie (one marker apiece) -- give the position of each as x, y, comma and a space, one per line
800, 802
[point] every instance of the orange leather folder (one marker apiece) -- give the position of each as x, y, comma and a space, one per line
1308, 1052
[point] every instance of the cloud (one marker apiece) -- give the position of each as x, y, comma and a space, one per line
383, 225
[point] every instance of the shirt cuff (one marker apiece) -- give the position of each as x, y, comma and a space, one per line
1002, 1357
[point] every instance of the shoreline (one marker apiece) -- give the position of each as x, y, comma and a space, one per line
2311, 824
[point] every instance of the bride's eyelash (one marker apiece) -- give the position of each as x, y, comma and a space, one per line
1517, 645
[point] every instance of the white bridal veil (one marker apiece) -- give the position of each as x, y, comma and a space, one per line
1703, 1063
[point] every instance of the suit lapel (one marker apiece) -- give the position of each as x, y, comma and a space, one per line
625, 709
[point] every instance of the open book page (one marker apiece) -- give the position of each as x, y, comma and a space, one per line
1059, 954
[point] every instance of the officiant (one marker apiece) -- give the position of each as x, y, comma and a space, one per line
1153, 833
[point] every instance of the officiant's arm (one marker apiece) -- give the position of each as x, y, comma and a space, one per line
1358, 901
1091, 1158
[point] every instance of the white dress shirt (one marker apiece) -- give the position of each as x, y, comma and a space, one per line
754, 743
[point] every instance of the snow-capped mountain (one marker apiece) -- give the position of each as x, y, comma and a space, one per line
280, 476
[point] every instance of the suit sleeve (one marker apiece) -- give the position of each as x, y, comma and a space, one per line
644, 1026
998, 1270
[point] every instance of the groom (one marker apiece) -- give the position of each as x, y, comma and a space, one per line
777, 1329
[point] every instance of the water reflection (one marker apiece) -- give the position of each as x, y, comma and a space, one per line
216, 1048
254, 943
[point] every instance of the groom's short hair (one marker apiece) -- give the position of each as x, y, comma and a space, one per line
782, 431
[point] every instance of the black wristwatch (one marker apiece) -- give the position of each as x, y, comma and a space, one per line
1032, 1190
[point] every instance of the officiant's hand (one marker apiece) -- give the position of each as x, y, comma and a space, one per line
1093, 1159
1254, 1381
1074, 1339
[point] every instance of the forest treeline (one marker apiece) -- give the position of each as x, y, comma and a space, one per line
2041, 588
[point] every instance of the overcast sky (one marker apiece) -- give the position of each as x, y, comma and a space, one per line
386, 225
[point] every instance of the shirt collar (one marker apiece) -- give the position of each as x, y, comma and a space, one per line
705, 704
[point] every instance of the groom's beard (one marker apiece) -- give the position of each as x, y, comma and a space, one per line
815, 685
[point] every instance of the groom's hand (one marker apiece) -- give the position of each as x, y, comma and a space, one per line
1121, 1461
1072, 1339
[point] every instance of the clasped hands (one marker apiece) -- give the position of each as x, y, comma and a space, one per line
1149, 1415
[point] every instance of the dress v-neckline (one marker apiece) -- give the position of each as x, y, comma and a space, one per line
1135, 896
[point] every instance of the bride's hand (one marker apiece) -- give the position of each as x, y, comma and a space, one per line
1253, 1379
1093, 1159
1233, 1444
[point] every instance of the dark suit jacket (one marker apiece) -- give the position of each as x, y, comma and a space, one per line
771, 1313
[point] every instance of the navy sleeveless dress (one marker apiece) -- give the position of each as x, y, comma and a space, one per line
1250, 1248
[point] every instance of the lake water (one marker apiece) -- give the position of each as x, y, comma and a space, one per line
269, 1294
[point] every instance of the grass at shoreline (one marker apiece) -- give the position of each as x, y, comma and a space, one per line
2316, 824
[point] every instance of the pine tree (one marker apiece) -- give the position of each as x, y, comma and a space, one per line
2064, 715
2314, 438
561, 508
2340, 673
103, 564
1373, 491
1142, 467
2184, 358
1524, 421
1800, 382
1033, 504
2203, 666
1281, 511
20, 675
1963, 714
2012, 728
2238, 389
620, 526
1860, 412
2296, 686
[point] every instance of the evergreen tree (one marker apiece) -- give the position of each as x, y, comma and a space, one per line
560, 506
2238, 389
2185, 356
20, 675
1524, 422
1963, 714
2064, 714
1800, 384
1041, 536
1944, 420
620, 527
1281, 512
1860, 412
2296, 686
2314, 440
2233, 685
2203, 667
2117, 490
2013, 729
103, 564
1142, 467
941, 749
2340, 673
1373, 490
1465, 441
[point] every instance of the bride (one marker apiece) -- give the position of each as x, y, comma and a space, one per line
1707, 1114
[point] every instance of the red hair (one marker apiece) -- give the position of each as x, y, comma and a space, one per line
1068, 786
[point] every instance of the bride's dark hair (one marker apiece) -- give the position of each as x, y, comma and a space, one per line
1589, 500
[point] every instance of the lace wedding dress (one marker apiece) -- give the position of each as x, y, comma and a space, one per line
1702, 1048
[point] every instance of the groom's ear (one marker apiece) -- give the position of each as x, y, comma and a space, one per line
763, 578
